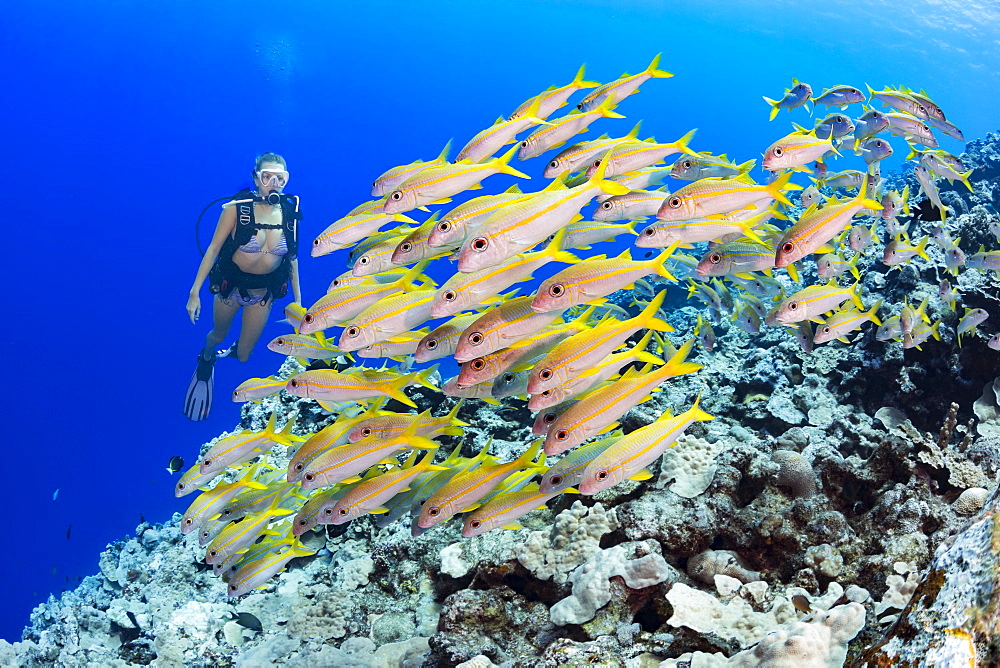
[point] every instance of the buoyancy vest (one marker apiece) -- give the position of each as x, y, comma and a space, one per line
226, 276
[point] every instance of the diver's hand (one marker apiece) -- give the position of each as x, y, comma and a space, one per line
194, 307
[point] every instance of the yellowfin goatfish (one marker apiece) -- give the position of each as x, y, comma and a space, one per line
369, 495
944, 164
631, 205
558, 132
415, 247
839, 96
393, 424
901, 250
455, 226
344, 462
810, 303
568, 471
330, 385
622, 87
841, 323
387, 318
345, 232
832, 126
737, 257
706, 165
599, 411
911, 128
970, 322
796, 150
706, 197
582, 153
326, 438
396, 348
595, 278
818, 226
920, 333
465, 490
467, 290
631, 156
583, 233
691, 231
501, 133
342, 304
832, 265
875, 149
438, 184
504, 510
794, 97
305, 346
524, 223
930, 189
949, 129
502, 326
553, 98
984, 259
238, 536
244, 446
207, 505
848, 178
629, 457
252, 575
255, 389
378, 257
392, 178
442, 341
897, 99
582, 351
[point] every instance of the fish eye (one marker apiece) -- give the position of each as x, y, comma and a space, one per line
545, 374
444, 226
687, 164
508, 377
213, 552
480, 244
557, 290
478, 364
606, 205
549, 418
554, 163
299, 467
302, 523
715, 258
674, 202
366, 431
450, 296
555, 480
431, 345
434, 512
309, 477
309, 317
547, 393
602, 475
188, 521
839, 119
343, 512
826, 330
787, 247
777, 152
562, 435
293, 383
315, 242
878, 142
475, 338
649, 231
352, 331
524, 144
280, 342
597, 163
792, 306
475, 524
206, 462
363, 259
406, 246
396, 195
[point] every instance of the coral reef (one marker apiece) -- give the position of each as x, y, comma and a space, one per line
839, 495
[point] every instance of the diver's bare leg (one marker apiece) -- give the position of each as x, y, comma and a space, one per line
254, 319
223, 313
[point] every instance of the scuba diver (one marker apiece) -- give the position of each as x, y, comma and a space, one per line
250, 262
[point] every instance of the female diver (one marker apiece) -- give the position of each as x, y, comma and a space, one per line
250, 262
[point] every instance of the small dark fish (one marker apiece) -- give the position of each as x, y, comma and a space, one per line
142, 519
175, 465
801, 603
68, 529
246, 620
131, 618
55, 569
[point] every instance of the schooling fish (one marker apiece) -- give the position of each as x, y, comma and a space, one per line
839, 96
501, 133
633, 155
875, 149
255, 389
392, 178
970, 322
900, 100
622, 87
504, 510
629, 457
558, 132
553, 98
796, 150
581, 154
841, 323
794, 97
706, 165
343, 304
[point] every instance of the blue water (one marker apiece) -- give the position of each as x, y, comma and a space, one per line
121, 123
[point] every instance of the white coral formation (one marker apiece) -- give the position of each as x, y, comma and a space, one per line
705, 566
825, 559
795, 473
574, 537
639, 564
690, 465
899, 590
971, 501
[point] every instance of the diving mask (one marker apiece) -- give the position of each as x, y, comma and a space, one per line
273, 177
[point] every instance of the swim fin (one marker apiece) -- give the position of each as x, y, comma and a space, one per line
198, 400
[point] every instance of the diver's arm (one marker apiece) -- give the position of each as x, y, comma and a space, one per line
294, 277
227, 221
